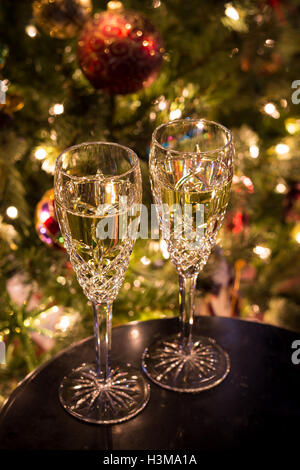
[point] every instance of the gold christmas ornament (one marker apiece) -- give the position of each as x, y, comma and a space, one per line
61, 18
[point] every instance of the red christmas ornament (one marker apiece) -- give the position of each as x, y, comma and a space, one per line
120, 51
46, 223
237, 221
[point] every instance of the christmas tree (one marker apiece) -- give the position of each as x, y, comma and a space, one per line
236, 64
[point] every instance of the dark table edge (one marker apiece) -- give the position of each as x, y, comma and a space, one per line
10, 400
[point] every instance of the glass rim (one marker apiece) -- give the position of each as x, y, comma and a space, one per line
58, 162
192, 121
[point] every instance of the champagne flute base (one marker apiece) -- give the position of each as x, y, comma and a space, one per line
89, 398
200, 366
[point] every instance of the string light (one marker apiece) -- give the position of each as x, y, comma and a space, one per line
280, 188
48, 167
271, 109
291, 128
232, 12
262, 251
248, 183
283, 103
255, 309
254, 151
282, 149
145, 260
296, 233
162, 103
61, 280
12, 212
56, 109
175, 114
31, 31
269, 42
292, 125
114, 5
40, 153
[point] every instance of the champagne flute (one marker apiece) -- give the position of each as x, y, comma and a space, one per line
98, 194
191, 168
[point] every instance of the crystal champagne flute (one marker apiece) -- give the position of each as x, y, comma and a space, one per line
191, 168
97, 199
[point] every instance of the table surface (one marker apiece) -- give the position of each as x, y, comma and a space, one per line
258, 404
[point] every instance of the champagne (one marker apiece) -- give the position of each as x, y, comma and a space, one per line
192, 201
99, 246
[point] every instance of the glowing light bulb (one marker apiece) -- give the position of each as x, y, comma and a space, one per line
115, 6
254, 151
232, 12
56, 109
145, 260
40, 153
271, 109
282, 149
280, 188
162, 104
269, 42
175, 114
262, 251
292, 125
291, 128
297, 237
31, 31
12, 212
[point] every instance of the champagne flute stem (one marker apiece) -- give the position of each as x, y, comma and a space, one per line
102, 333
186, 304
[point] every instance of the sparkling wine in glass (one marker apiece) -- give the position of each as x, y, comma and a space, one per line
191, 168
97, 199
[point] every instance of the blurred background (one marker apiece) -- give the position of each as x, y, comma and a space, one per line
81, 70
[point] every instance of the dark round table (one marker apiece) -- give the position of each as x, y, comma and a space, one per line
258, 404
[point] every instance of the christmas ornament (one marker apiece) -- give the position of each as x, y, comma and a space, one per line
237, 221
61, 18
120, 51
46, 223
